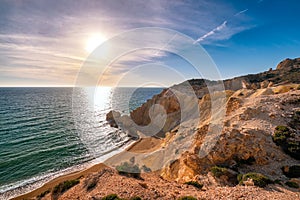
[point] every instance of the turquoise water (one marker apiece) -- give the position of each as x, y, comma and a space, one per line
45, 132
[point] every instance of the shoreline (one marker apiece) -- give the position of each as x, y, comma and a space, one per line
134, 146
52, 183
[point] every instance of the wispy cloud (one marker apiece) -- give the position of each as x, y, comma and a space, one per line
48, 37
212, 32
241, 12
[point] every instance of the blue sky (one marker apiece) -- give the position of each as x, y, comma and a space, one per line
44, 42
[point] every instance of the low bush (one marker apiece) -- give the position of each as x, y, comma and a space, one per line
258, 179
229, 174
187, 198
292, 184
281, 134
277, 181
285, 138
218, 171
43, 194
64, 186
195, 184
129, 169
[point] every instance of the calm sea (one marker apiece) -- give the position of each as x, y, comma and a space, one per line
47, 132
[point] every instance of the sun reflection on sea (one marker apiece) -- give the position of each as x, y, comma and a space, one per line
98, 97
102, 97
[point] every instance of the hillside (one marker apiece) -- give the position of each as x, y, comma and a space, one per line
246, 146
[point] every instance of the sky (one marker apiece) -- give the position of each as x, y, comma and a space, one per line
47, 42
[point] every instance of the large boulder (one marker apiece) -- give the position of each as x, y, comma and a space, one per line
112, 118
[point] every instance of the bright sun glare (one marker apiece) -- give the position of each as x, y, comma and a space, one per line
93, 42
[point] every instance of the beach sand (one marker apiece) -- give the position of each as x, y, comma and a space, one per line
51, 184
143, 145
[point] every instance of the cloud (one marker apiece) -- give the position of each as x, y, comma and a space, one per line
212, 32
51, 35
241, 12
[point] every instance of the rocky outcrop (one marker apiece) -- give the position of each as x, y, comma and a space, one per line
111, 118
255, 105
287, 71
288, 63
245, 143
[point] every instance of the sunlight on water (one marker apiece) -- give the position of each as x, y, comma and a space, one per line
102, 98
98, 98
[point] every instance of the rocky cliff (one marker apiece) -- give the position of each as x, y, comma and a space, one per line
287, 71
243, 135
256, 105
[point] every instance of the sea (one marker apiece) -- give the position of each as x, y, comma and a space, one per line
48, 132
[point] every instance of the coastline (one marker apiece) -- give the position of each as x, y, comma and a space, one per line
60, 179
139, 146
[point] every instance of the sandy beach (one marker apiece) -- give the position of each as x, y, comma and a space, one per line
141, 146
51, 184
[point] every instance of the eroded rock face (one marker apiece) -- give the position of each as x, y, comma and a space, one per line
255, 106
168, 101
245, 143
288, 71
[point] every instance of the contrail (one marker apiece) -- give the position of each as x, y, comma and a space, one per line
218, 28
241, 12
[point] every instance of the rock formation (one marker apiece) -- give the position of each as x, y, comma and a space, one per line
255, 105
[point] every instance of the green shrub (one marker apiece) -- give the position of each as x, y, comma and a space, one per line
43, 194
129, 169
68, 184
218, 171
282, 128
277, 181
195, 184
187, 198
292, 171
281, 134
292, 184
111, 197
285, 138
64, 186
259, 180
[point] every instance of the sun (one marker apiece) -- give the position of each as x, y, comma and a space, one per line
94, 41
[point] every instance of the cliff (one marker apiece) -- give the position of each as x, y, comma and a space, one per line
287, 72
256, 105
242, 142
